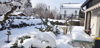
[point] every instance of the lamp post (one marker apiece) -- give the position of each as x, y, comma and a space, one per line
8, 33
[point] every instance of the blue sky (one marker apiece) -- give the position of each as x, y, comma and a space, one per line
55, 3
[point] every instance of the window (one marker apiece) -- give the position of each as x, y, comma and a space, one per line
75, 12
65, 12
62, 6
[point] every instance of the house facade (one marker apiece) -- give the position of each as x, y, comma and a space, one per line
67, 9
92, 17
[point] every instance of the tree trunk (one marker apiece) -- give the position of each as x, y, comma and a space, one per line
8, 13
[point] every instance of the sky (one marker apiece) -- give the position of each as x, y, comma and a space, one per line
55, 3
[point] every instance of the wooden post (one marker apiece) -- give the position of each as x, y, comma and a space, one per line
8, 38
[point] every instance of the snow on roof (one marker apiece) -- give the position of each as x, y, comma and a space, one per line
16, 13
71, 5
4, 1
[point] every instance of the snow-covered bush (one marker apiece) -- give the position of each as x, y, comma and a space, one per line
36, 39
21, 39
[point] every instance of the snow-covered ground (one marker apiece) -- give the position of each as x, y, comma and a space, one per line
62, 41
79, 34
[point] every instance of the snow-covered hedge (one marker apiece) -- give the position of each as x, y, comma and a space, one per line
19, 23
39, 39
20, 17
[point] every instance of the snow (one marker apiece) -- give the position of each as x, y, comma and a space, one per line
0, 26
27, 43
63, 41
79, 34
22, 17
61, 45
75, 20
2, 18
42, 39
15, 34
52, 35
30, 21
37, 43
48, 38
45, 44
62, 21
33, 41
45, 37
16, 13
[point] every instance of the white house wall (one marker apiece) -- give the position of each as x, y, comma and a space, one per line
69, 12
94, 14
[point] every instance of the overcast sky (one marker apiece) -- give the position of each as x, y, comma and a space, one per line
53, 3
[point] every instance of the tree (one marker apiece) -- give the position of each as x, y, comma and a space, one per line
26, 7
81, 14
41, 9
55, 12
13, 4
48, 27
4, 8
28, 11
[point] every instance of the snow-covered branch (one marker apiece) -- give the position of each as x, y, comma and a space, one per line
13, 5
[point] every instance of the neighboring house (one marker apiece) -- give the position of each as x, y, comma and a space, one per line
51, 15
18, 14
92, 17
67, 9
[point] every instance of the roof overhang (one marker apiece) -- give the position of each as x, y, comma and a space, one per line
85, 3
93, 7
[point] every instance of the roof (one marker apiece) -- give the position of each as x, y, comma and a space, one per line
71, 5
85, 3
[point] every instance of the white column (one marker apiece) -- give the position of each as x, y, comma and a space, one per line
85, 19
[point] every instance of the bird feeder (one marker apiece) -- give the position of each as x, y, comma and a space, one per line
8, 33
